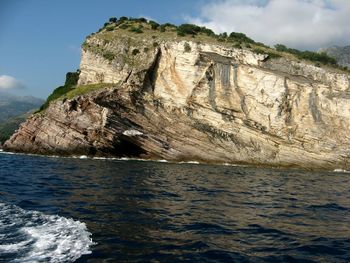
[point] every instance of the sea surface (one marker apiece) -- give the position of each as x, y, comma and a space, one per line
86, 210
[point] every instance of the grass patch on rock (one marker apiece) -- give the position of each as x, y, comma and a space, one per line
85, 89
70, 89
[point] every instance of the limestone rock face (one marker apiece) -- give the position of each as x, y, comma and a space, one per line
187, 101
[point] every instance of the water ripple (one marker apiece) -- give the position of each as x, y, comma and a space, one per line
162, 212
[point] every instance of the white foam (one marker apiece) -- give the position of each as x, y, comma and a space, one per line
2, 151
338, 170
12, 248
101, 158
189, 162
35, 236
137, 159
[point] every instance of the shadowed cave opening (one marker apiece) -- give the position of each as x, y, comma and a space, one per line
125, 147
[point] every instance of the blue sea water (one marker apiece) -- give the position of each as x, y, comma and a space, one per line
84, 210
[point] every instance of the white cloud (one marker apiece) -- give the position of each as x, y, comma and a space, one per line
10, 83
305, 24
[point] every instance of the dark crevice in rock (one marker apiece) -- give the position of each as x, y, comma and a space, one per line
151, 74
127, 77
210, 76
239, 91
314, 105
216, 57
148, 84
222, 71
73, 105
228, 115
255, 125
137, 100
285, 106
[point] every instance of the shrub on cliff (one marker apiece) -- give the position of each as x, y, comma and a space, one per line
110, 28
113, 20
240, 37
108, 55
167, 26
162, 28
271, 54
318, 57
72, 78
123, 18
188, 29
154, 25
136, 30
141, 19
124, 26
170, 25
187, 47
207, 31
223, 35
308, 55
281, 48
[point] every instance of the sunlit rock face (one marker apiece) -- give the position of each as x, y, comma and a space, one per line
188, 101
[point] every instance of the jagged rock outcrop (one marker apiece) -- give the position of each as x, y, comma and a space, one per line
189, 101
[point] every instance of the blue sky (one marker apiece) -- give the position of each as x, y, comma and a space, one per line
40, 39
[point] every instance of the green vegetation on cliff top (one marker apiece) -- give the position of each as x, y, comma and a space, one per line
151, 32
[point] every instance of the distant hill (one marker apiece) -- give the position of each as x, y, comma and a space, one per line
13, 111
8, 127
11, 105
341, 54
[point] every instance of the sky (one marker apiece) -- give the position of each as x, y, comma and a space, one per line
40, 39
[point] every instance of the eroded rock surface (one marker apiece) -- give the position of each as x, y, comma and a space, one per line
210, 104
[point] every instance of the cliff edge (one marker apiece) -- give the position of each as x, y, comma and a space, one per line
185, 99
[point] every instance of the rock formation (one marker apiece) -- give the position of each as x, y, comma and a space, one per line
184, 100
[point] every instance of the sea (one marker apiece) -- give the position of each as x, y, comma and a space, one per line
116, 210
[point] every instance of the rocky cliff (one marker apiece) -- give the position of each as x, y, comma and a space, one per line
341, 54
186, 100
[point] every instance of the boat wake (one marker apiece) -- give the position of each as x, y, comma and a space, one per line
31, 236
